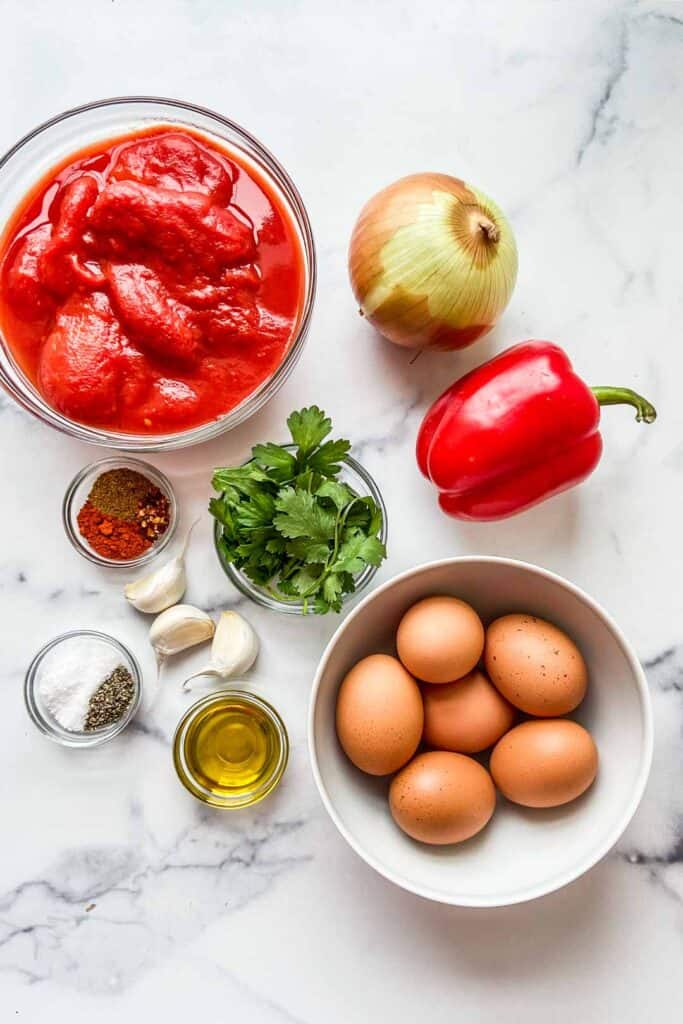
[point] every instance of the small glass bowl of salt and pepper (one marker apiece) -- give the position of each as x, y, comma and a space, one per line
83, 688
119, 512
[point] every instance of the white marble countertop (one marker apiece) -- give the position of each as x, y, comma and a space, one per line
570, 116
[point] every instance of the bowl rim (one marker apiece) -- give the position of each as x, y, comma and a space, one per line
29, 398
646, 751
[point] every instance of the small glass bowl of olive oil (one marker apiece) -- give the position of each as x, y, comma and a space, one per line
230, 749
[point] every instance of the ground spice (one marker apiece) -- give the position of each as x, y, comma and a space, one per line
112, 538
124, 515
110, 700
121, 492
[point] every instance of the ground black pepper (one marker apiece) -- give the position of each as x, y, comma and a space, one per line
110, 700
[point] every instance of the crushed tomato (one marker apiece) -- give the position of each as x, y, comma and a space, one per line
150, 284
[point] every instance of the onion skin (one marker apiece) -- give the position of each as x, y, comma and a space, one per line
414, 246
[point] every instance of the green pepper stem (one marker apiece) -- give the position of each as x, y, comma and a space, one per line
645, 411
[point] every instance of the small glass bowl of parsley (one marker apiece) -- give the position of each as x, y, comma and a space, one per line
300, 527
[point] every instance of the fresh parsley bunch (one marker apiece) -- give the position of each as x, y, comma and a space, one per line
290, 524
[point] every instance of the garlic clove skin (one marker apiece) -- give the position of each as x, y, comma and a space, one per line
234, 649
178, 628
162, 588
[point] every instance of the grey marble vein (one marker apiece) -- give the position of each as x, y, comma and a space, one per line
602, 121
47, 930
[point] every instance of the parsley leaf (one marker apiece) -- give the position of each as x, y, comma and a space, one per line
257, 512
308, 428
277, 459
249, 480
307, 550
220, 510
300, 515
373, 551
328, 458
332, 589
339, 494
349, 557
366, 515
306, 578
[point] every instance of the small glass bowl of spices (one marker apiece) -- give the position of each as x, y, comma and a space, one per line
82, 688
119, 512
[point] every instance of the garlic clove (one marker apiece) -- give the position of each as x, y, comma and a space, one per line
234, 649
178, 628
235, 645
162, 588
158, 590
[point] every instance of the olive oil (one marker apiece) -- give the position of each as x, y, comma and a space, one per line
231, 749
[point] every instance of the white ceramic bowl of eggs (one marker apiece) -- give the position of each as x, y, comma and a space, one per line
517, 852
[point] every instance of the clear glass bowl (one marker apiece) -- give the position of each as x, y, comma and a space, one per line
33, 157
77, 493
43, 719
362, 484
242, 798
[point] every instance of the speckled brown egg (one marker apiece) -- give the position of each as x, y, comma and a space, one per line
442, 797
544, 763
535, 665
440, 639
379, 715
466, 716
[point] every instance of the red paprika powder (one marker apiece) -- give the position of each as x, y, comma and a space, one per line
111, 537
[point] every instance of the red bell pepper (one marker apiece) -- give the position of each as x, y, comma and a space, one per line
515, 431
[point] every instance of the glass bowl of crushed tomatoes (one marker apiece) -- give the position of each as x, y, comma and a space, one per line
157, 274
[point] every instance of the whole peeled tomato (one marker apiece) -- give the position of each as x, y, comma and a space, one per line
379, 715
432, 262
535, 665
544, 763
442, 798
440, 639
80, 363
467, 716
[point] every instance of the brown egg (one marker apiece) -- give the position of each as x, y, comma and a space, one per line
468, 715
535, 665
440, 639
441, 797
379, 715
544, 763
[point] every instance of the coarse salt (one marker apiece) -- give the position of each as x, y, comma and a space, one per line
70, 674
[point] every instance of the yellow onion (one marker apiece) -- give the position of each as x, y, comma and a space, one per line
432, 261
